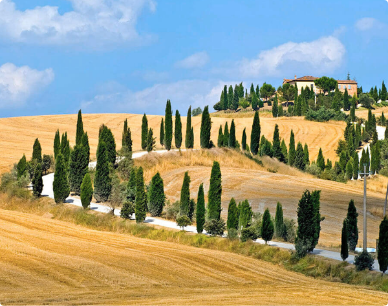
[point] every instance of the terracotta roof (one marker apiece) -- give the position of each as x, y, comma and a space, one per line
310, 78
346, 82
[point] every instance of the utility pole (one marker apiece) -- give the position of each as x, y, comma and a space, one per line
365, 240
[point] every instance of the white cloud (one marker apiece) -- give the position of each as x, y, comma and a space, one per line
367, 23
114, 96
17, 84
96, 23
323, 55
196, 60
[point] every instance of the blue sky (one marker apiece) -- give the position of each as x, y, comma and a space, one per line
57, 56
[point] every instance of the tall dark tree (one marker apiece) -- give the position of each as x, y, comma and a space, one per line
102, 180
86, 191
61, 184
279, 223
226, 135
346, 100
220, 139
168, 126
215, 191
21, 166
233, 215
189, 141
299, 157
344, 241
267, 228
185, 196
80, 129
277, 151
37, 151
57, 144
157, 196
255, 101
126, 141
382, 254
351, 219
244, 141
144, 132
85, 144
65, 149
353, 112
291, 152
306, 155
306, 225
275, 107
230, 97
283, 147
78, 168
235, 99
107, 137
315, 198
141, 197
255, 134
245, 214
150, 140
383, 94
201, 211
178, 130
232, 136
321, 160
161, 136
206, 125
37, 181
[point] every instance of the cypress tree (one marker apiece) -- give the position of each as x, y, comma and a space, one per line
157, 196
355, 166
306, 225
233, 216
150, 140
178, 130
349, 169
168, 126
37, 151
144, 132
200, 215
85, 145
255, 101
352, 227
275, 107
258, 91
21, 166
37, 182
141, 197
299, 157
245, 214
102, 180
267, 228
235, 99
226, 135
188, 140
344, 241
106, 136
321, 160
244, 141
384, 94
205, 128
131, 186
280, 110
230, 97
215, 191
127, 138
161, 136
185, 196
292, 152
346, 100
65, 149
192, 137
382, 254
220, 140
255, 134
61, 184
86, 191
57, 144
353, 112
125, 128
306, 155
232, 136
279, 223
80, 129
315, 199
277, 151
283, 147
191, 209
78, 168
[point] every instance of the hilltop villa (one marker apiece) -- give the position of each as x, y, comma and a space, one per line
308, 81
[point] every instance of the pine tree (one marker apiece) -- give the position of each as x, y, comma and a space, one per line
291, 152
144, 132
277, 151
382, 254
78, 168
220, 139
275, 107
205, 128
60, 185
150, 140
299, 157
279, 223
80, 129
245, 214
200, 215
161, 136
21, 166
344, 242
215, 191
244, 141
85, 144
233, 215
141, 197
178, 130
57, 144
306, 155
352, 228
37, 182
189, 142
86, 191
107, 137
267, 228
255, 134
321, 160
168, 126
102, 180
37, 151
232, 136
185, 196
157, 196
226, 135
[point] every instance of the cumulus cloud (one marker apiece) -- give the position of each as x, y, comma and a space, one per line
181, 93
367, 23
17, 84
323, 55
196, 60
96, 23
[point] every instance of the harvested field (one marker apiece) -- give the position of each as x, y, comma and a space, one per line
363, 113
45, 261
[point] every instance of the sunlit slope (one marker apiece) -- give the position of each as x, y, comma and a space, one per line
44, 261
17, 134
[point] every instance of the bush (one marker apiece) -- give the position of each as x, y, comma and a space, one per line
364, 261
183, 221
324, 114
313, 169
289, 234
127, 210
14, 186
172, 210
215, 227
243, 103
232, 234
249, 233
197, 111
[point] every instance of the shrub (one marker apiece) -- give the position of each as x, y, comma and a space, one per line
313, 169
172, 210
249, 233
324, 114
215, 227
183, 221
289, 234
364, 261
127, 210
232, 234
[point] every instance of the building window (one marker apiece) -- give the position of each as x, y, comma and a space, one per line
349, 87
312, 86
344, 87
339, 86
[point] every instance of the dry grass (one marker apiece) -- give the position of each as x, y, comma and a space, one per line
18, 134
46, 261
363, 113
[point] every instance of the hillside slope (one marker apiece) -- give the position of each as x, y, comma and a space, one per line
44, 261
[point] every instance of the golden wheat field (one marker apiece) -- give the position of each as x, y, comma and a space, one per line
18, 134
45, 261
